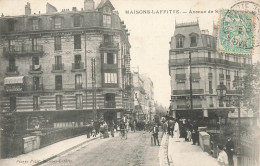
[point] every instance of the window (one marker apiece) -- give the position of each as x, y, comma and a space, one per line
12, 67
108, 38
228, 85
77, 41
57, 43
107, 20
208, 41
34, 44
36, 83
12, 103
77, 61
76, 21
79, 101
110, 58
193, 41
59, 101
179, 42
36, 102
210, 87
35, 60
110, 78
11, 26
58, 63
110, 100
58, 82
78, 81
35, 24
57, 23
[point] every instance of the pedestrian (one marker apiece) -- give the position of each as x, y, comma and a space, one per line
176, 130
222, 156
155, 131
165, 126
171, 126
111, 127
134, 125
127, 125
230, 150
188, 135
193, 136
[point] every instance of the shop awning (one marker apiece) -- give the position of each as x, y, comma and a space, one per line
13, 80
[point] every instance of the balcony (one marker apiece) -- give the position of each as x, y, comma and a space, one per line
23, 50
110, 104
35, 69
78, 67
207, 61
228, 77
221, 76
186, 92
78, 86
197, 106
109, 46
233, 92
188, 107
12, 70
56, 68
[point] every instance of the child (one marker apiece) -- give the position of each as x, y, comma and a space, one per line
93, 133
188, 135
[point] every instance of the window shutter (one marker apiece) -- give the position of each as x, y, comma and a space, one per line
105, 58
115, 58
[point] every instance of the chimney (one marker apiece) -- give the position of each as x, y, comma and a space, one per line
50, 8
27, 9
74, 9
89, 5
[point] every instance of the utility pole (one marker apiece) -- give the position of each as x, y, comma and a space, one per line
93, 67
191, 104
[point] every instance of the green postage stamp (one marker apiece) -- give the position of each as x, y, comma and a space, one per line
236, 32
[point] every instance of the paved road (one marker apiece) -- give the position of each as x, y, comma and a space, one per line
136, 150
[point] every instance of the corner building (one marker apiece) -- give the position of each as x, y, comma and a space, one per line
209, 70
49, 75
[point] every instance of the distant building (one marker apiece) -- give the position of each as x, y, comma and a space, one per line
209, 70
48, 70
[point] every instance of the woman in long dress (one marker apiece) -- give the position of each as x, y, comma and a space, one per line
176, 130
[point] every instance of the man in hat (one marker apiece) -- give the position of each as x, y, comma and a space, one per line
230, 150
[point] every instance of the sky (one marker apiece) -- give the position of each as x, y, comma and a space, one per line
149, 33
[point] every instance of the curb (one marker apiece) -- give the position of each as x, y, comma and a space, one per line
163, 152
65, 151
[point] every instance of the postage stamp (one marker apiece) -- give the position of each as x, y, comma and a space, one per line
236, 32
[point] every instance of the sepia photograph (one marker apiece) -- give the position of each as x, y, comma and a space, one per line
129, 83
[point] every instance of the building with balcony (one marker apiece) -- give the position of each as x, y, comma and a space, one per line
47, 69
203, 73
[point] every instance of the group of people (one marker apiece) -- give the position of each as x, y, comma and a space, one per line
225, 157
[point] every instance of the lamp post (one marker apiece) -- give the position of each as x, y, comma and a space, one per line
221, 92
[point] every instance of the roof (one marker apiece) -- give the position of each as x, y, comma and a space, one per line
104, 3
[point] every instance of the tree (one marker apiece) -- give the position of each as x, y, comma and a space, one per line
250, 87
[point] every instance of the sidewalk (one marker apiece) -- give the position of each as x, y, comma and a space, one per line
183, 153
49, 152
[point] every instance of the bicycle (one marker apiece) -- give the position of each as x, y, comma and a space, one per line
123, 134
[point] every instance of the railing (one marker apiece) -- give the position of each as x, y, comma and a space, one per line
185, 106
233, 92
109, 45
110, 104
204, 60
23, 49
56, 67
211, 91
76, 66
12, 69
35, 67
194, 91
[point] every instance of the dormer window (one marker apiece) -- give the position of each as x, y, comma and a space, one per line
57, 23
193, 40
179, 41
35, 24
106, 16
76, 21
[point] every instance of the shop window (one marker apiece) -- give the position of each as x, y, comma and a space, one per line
110, 78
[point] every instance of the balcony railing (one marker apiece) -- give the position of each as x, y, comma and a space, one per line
77, 66
35, 69
221, 76
23, 49
110, 104
58, 67
204, 60
235, 92
183, 92
109, 45
186, 106
78, 86
12, 70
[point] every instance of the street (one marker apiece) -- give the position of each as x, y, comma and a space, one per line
136, 150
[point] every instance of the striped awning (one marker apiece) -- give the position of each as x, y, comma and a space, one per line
13, 80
